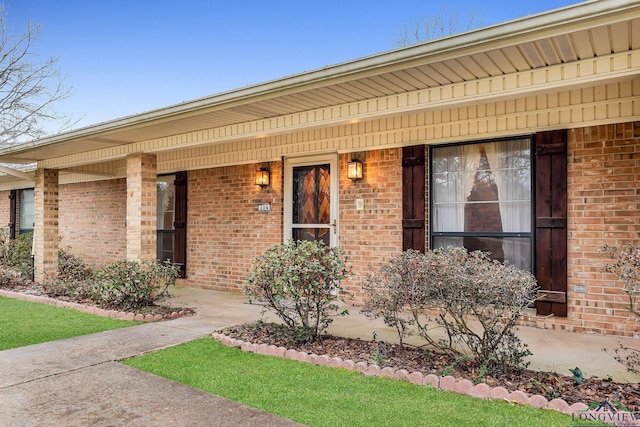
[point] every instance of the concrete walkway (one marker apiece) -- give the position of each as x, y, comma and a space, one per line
555, 351
78, 382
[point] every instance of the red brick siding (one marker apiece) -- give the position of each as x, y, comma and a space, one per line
603, 208
373, 235
93, 220
225, 231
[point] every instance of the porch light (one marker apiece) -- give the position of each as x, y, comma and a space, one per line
354, 170
262, 177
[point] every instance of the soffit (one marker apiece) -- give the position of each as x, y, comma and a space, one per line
495, 51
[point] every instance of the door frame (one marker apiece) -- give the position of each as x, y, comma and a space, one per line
317, 159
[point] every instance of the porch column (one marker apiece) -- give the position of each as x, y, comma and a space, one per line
141, 206
45, 241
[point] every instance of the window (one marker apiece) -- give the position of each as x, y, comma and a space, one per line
481, 199
172, 220
166, 217
27, 217
312, 203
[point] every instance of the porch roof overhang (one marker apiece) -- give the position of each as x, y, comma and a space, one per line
587, 35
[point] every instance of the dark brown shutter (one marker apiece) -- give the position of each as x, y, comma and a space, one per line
180, 224
413, 232
551, 222
12, 213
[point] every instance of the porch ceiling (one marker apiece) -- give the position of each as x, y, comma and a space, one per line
575, 33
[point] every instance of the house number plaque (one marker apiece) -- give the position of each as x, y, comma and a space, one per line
264, 207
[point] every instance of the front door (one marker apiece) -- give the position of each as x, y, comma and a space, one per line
311, 199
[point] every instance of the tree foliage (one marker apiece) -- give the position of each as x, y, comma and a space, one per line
29, 88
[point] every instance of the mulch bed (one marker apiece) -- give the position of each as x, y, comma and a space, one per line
30, 288
548, 384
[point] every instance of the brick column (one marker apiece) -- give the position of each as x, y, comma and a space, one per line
141, 206
46, 222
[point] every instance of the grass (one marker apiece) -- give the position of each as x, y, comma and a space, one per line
25, 323
321, 396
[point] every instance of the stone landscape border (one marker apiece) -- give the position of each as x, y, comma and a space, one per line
447, 383
113, 314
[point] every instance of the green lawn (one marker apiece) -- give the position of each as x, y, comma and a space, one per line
321, 396
25, 323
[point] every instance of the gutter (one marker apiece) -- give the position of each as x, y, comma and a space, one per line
559, 20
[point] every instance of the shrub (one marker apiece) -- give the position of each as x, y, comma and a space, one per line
396, 294
16, 253
626, 267
475, 300
299, 282
133, 285
12, 279
72, 278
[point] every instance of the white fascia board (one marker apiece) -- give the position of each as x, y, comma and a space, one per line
585, 15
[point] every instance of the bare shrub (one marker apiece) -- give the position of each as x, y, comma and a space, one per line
475, 300
626, 267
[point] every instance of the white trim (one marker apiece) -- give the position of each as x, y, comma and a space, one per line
289, 164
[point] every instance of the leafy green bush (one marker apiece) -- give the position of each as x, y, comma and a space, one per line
16, 253
299, 282
475, 300
132, 285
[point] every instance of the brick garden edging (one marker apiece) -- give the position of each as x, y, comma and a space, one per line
113, 314
447, 383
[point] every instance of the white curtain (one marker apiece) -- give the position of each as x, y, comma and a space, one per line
510, 164
454, 170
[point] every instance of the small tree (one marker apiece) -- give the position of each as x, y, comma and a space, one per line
299, 281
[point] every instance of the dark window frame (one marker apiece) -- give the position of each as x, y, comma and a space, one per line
531, 235
178, 231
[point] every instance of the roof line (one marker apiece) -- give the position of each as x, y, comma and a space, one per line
555, 19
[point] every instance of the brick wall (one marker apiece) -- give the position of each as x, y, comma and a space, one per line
93, 220
225, 231
374, 234
141, 206
5, 206
603, 208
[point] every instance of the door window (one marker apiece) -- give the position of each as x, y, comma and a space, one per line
310, 199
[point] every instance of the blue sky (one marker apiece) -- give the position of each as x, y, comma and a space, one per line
126, 57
